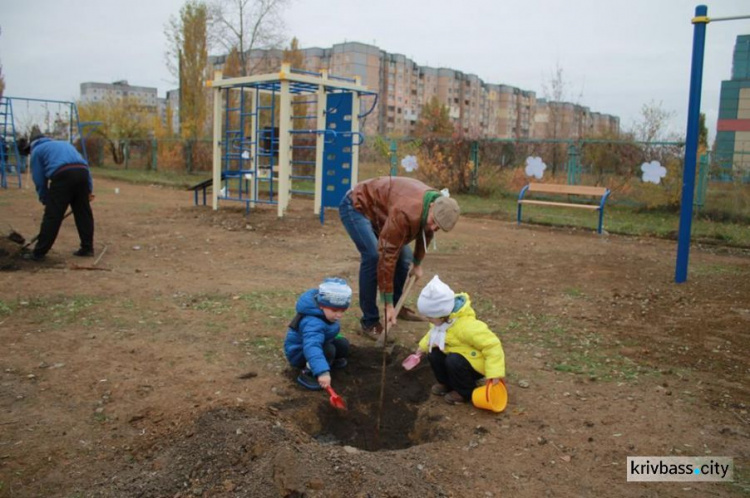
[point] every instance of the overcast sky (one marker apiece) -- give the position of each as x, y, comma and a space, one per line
616, 55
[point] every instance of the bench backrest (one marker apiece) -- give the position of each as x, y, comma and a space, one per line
553, 188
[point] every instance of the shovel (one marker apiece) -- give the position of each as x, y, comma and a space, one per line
336, 400
36, 237
407, 288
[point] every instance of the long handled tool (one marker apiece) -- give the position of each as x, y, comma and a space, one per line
36, 237
400, 304
382, 341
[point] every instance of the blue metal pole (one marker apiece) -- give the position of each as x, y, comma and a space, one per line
691, 143
394, 158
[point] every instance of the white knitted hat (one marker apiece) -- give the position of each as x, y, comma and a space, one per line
436, 299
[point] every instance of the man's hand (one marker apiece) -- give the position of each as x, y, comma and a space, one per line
416, 270
497, 380
324, 380
390, 315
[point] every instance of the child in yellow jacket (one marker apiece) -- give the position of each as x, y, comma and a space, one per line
460, 348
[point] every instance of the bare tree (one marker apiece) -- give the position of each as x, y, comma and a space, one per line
564, 116
652, 127
245, 25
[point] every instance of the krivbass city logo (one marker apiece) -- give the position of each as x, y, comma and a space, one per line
695, 469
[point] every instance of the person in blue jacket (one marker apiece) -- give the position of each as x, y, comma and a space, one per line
62, 178
313, 341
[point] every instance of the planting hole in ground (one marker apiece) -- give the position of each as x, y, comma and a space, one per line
359, 384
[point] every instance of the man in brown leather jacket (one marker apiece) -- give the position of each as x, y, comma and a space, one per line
382, 216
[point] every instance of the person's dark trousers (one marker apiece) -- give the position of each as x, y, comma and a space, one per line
335, 349
360, 230
67, 188
454, 371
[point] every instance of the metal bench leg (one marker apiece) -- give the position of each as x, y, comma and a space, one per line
601, 219
518, 217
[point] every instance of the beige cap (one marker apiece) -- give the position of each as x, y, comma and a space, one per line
445, 212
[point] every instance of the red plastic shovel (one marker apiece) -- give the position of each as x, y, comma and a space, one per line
336, 400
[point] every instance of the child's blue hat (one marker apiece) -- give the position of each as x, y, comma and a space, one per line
334, 293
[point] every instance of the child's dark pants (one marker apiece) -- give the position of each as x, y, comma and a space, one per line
335, 349
454, 371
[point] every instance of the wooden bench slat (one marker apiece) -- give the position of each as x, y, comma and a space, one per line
553, 188
561, 190
564, 204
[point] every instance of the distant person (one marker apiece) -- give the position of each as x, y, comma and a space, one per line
383, 216
313, 340
23, 153
460, 348
62, 179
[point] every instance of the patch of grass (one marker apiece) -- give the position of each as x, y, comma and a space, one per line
215, 305
166, 178
484, 308
214, 327
622, 219
741, 478
596, 363
537, 329
210, 356
73, 307
62, 310
272, 305
717, 270
265, 347
445, 246
723, 220
6, 308
573, 292
145, 208
128, 304
571, 350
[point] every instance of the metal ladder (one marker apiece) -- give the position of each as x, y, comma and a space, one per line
10, 158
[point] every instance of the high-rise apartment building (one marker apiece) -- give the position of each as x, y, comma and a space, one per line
476, 109
145, 96
101, 92
732, 150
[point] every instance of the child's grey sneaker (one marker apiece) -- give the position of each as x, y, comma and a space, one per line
307, 380
339, 363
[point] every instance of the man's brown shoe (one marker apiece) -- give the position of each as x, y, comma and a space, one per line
439, 389
409, 315
372, 332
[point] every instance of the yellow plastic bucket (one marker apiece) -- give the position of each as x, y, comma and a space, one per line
493, 397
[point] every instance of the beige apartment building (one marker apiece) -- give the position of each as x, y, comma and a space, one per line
146, 96
477, 109
564, 120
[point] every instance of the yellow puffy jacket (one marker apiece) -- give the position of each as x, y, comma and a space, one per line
472, 339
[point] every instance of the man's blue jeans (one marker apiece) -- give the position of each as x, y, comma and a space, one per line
362, 233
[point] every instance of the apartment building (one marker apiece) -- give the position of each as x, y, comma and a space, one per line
732, 149
476, 109
563, 120
146, 96
101, 92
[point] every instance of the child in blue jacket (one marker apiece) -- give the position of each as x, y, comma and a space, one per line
313, 342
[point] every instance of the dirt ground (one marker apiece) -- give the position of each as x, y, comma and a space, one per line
159, 373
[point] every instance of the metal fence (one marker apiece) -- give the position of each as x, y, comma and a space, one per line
499, 166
